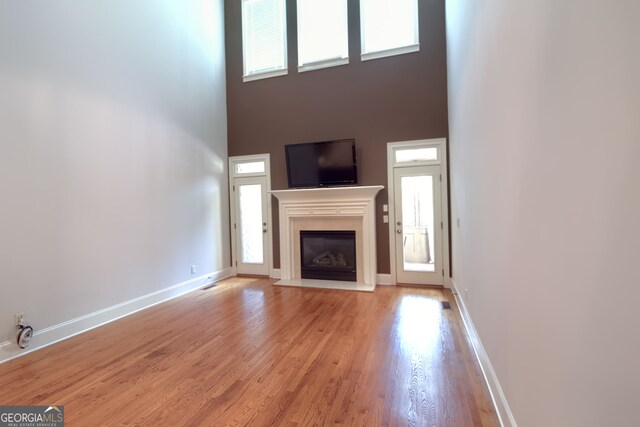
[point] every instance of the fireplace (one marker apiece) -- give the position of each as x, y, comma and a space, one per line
328, 209
328, 255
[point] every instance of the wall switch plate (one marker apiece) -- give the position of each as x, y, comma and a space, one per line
194, 269
385, 208
385, 219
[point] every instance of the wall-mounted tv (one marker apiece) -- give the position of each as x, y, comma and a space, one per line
322, 164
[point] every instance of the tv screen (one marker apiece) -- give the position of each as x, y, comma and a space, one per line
321, 164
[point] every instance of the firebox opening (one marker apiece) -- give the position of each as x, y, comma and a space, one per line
328, 255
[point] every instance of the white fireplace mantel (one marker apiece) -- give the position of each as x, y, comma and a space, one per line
334, 208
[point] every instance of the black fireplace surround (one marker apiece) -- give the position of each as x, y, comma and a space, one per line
328, 255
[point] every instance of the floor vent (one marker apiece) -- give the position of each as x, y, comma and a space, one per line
208, 287
446, 305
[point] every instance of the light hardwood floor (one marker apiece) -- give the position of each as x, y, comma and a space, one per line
249, 353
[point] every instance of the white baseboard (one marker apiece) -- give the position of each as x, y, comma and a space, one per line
53, 334
384, 279
498, 397
275, 274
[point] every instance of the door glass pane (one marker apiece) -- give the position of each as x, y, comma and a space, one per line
418, 223
251, 224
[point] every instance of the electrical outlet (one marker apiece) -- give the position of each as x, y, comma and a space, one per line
194, 269
20, 319
385, 219
385, 208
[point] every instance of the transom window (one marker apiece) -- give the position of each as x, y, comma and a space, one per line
249, 167
416, 154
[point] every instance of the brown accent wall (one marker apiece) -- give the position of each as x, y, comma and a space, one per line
384, 100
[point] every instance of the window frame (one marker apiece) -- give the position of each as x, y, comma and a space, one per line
271, 72
328, 62
399, 50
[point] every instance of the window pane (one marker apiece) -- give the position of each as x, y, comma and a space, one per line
418, 223
322, 30
263, 36
252, 167
416, 154
388, 24
251, 224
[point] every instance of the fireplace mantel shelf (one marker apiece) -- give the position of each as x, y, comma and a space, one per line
332, 208
328, 193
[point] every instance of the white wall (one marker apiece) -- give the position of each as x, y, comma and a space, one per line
113, 150
545, 170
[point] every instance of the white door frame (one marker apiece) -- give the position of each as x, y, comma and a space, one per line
233, 174
441, 145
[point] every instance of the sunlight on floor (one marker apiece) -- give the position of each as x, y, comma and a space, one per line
419, 322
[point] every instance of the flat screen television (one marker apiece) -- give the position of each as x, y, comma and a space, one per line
321, 164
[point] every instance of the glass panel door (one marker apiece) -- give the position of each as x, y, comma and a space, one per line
251, 225
418, 225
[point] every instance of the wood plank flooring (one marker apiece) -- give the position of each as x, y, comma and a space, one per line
249, 353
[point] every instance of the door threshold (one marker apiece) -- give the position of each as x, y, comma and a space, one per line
420, 285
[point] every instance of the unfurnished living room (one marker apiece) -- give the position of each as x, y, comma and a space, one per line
305, 212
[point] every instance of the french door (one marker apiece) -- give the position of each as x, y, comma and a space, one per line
250, 225
418, 225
